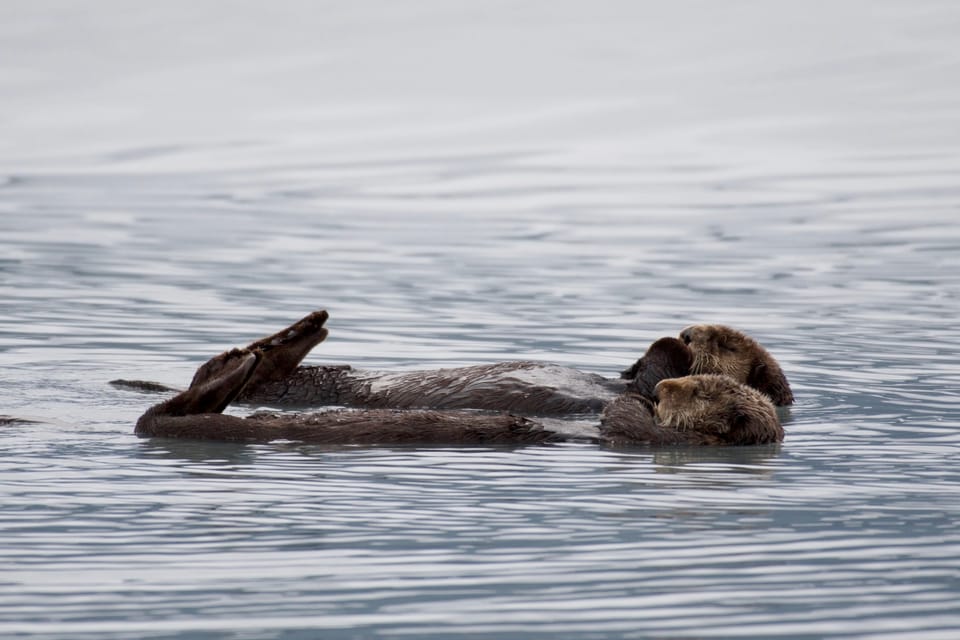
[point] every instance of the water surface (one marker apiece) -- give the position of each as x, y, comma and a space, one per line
472, 182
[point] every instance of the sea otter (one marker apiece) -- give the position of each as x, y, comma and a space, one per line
720, 349
703, 409
529, 388
710, 410
716, 348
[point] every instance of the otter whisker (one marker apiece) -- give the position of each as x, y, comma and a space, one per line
705, 363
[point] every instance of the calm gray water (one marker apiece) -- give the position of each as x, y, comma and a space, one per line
463, 182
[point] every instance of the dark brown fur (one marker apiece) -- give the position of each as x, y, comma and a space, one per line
695, 410
280, 353
666, 358
362, 426
724, 350
528, 388
631, 419
523, 387
195, 414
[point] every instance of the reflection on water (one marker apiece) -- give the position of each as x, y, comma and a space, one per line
472, 184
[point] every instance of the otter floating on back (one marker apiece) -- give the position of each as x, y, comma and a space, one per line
700, 409
529, 388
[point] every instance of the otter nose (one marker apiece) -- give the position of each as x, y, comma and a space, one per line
686, 335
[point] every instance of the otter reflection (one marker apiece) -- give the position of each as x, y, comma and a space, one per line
699, 409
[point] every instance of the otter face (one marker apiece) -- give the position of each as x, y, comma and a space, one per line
724, 350
692, 402
718, 406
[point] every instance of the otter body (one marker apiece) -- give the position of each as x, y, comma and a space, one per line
196, 414
530, 388
690, 410
353, 427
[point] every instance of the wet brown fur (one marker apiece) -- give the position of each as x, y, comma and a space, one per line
718, 410
714, 417
724, 350
195, 414
362, 426
495, 387
528, 388
665, 358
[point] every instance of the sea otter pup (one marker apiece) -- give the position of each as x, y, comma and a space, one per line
692, 410
705, 409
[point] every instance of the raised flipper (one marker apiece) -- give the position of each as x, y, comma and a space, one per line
280, 354
223, 378
195, 413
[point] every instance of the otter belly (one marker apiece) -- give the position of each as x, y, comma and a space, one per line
521, 387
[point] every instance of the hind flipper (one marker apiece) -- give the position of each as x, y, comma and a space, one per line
281, 353
214, 387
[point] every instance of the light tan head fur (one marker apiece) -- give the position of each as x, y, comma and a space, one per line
718, 407
724, 350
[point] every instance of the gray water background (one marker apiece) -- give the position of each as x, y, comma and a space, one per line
463, 182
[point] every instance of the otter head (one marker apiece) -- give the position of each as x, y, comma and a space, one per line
665, 358
718, 407
724, 350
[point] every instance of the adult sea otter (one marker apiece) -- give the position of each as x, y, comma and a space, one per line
529, 388
698, 409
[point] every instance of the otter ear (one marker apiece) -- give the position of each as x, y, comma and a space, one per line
772, 382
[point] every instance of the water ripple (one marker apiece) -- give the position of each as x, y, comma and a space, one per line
635, 176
